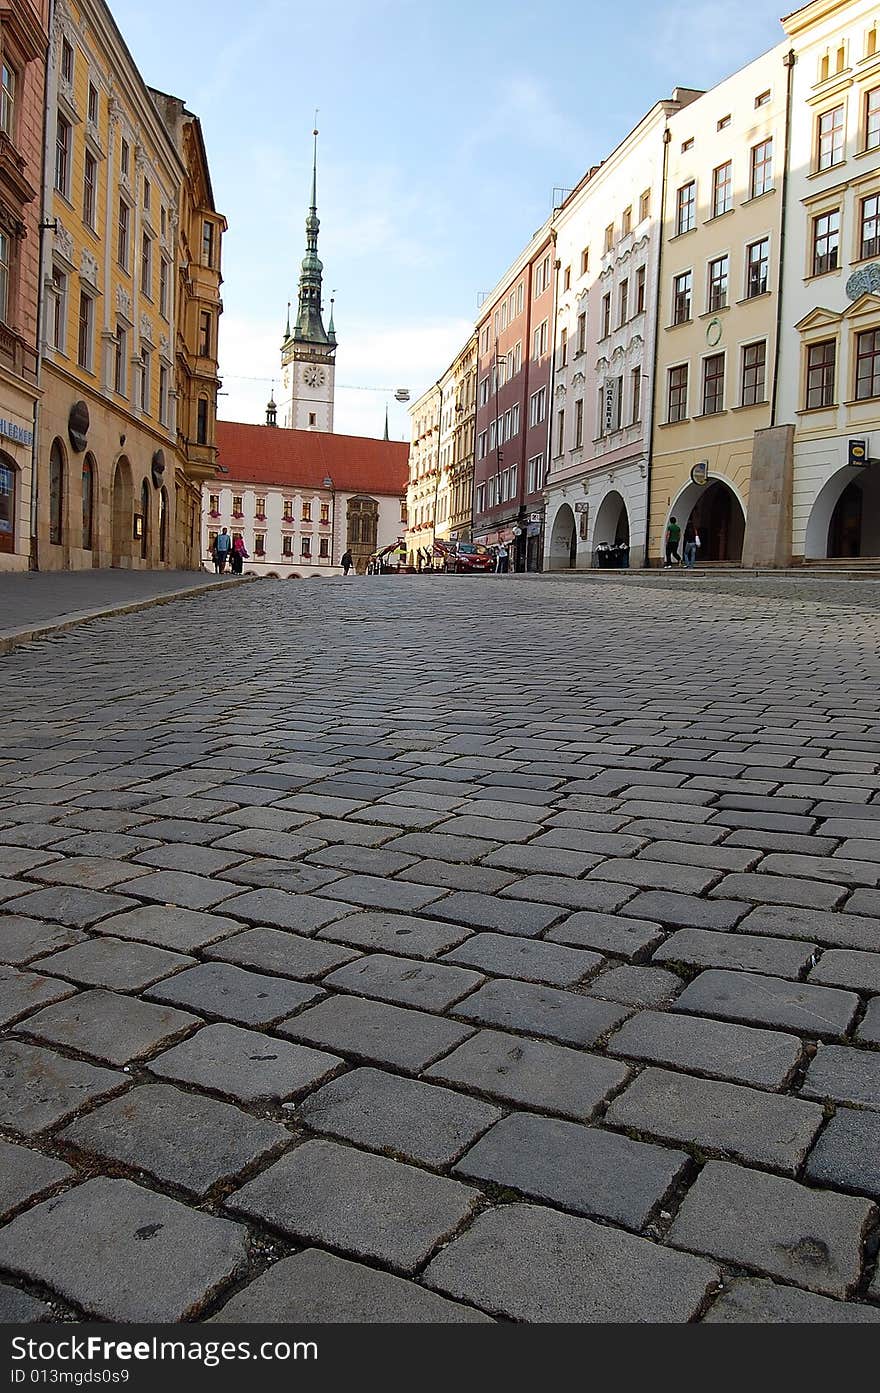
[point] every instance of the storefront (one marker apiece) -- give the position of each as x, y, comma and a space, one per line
16, 444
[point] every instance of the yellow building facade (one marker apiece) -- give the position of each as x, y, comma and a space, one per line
119, 355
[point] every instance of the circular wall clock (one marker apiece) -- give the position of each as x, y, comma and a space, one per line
314, 377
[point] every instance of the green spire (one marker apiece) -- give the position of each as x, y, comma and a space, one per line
331, 328
287, 330
309, 328
386, 436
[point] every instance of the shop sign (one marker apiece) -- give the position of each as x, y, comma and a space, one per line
700, 472
533, 529
10, 431
582, 507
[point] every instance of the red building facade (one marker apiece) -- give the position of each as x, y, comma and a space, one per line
514, 347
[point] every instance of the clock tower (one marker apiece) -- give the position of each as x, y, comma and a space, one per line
308, 353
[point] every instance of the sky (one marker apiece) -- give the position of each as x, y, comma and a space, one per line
444, 129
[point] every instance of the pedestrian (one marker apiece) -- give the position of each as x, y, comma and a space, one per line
673, 533
239, 554
215, 557
691, 545
501, 559
224, 546
347, 562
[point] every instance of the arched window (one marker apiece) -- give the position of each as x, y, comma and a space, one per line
88, 501
202, 422
163, 525
56, 493
8, 476
145, 519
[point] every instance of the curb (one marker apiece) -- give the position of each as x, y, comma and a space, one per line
11, 639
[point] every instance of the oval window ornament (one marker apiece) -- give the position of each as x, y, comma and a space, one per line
864, 281
713, 332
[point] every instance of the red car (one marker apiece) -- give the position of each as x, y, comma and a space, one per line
468, 557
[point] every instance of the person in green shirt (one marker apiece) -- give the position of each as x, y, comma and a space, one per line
673, 536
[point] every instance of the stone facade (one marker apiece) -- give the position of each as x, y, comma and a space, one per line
424, 476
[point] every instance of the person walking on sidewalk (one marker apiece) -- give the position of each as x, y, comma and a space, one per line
691, 545
347, 562
501, 559
224, 547
673, 534
238, 555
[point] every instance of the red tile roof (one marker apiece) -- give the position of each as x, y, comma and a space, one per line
304, 459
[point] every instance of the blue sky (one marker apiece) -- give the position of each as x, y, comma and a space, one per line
444, 129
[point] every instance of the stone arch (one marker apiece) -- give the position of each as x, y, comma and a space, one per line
612, 520
122, 509
563, 540
145, 512
163, 525
362, 529
57, 492
845, 518
89, 495
718, 514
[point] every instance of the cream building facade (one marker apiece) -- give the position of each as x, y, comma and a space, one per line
719, 305
424, 475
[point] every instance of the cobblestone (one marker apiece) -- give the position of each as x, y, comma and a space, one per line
765, 1058
27, 1175
539, 1010
376, 1031
507, 955
753, 1301
739, 996
847, 1154
245, 1065
844, 1074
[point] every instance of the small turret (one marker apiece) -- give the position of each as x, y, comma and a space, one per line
272, 411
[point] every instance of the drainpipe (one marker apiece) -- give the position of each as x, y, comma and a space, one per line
667, 137
788, 63
554, 233
44, 227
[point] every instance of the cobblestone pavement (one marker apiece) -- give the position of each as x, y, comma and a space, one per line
444, 950
28, 598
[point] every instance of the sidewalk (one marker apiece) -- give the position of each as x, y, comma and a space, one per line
35, 604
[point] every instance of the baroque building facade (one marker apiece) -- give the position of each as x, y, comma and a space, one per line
423, 476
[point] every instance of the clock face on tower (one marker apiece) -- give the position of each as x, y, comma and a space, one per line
314, 377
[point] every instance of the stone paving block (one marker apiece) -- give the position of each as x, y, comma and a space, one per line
844, 967
22, 993
722, 858
177, 888
847, 1154
779, 889
860, 902
26, 1175
529, 918
825, 1012
542, 859
544, 1011
169, 926
15, 860
112, 1028
23, 939
270, 819
493, 829
185, 830
328, 829
396, 933
282, 910
359, 1203
754, 1301
281, 954
202, 860
296, 877
567, 893
362, 860
35, 835
811, 1238
376, 1031
405, 982
801, 843
844, 1074
869, 1030
817, 925
567, 836
610, 933
765, 1058
836, 826
18, 1308
858, 849
704, 834
531, 1073
244, 1064
750, 953
180, 1138
317, 1288
585, 1169
123, 1253
441, 847
225, 990
765, 822
413, 1121
39, 1088
457, 876
637, 986
686, 911
187, 807
506, 955
657, 875
375, 891
537, 1265
257, 841
116, 963
92, 872
717, 1116
73, 906
838, 869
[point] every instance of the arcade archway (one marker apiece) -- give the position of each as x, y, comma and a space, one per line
563, 540
717, 515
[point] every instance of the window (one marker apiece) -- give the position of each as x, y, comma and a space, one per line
237, 509
202, 422
563, 348
260, 509
4, 278
676, 394
626, 222
324, 545
566, 278
260, 544
287, 546
757, 268
62, 156
868, 365
718, 277
119, 359
821, 359
519, 298
585, 261
826, 242
287, 513
870, 239
86, 330
613, 391
88, 480
93, 104
147, 266
122, 235
606, 315
872, 119
482, 444
713, 384
722, 123
124, 159
635, 378
512, 482
163, 288
763, 99
481, 498
754, 370
560, 432
484, 391
640, 290
517, 357
609, 237
722, 189
66, 61
90, 185
58, 309
623, 302
645, 205
205, 327
686, 208
540, 341
56, 494
213, 504
163, 394
682, 287
578, 424
687, 145
145, 380
8, 83
761, 177
537, 407
514, 420
208, 243
325, 514
147, 195
162, 217
829, 138
581, 333
306, 514
536, 473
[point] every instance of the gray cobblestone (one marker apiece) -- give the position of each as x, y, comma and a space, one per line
169, 926
283, 909
847, 1154
225, 990
753, 1301
764, 1058
245, 1065
116, 963
457, 876
843, 967
111, 1028
545, 1011
844, 1074
39, 1088
687, 911
657, 875
18, 1308
405, 982
400, 933
839, 930
376, 1031
23, 939
755, 999
70, 905
529, 918
22, 993
561, 890
869, 1030
281, 954
637, 986
507, 955
27, 1175
707, 948
624, 937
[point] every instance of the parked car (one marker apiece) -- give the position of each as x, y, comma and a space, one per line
469, 557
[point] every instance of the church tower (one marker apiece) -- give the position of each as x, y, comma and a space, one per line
308, 353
